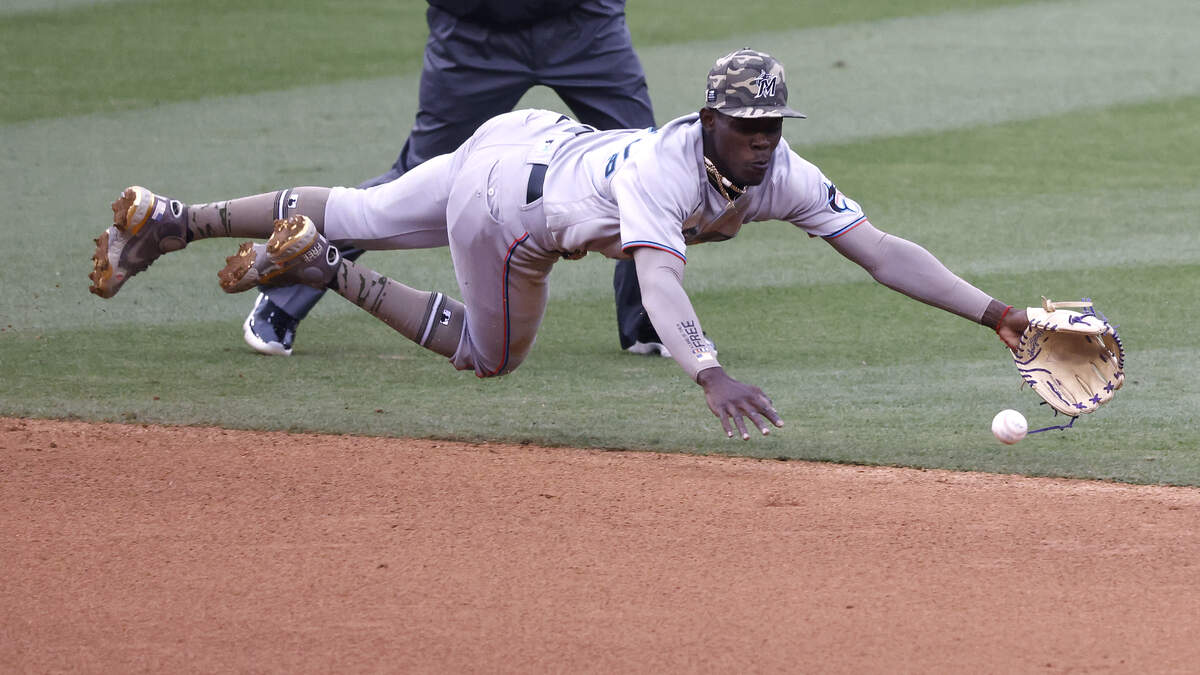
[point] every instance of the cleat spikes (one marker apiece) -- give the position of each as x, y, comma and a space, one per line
295, 253
139, 235
239, 273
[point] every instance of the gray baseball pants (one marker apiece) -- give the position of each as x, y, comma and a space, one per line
477, 201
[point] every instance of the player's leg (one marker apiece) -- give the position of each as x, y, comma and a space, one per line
452, 103
147, 225
402, 214
431, 319
501, 268
394, 215
502, 262
271, 325
296, 254
409, 212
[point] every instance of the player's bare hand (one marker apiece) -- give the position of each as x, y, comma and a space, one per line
734, 402
1012, 327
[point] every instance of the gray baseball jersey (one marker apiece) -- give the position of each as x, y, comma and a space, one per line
613, 191
604, 191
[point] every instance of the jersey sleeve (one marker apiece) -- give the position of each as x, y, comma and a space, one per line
652, 201
813, 202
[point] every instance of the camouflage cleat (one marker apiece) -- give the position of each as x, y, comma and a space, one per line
295, 254
145, 226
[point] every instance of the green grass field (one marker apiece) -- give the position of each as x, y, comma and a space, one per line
1036, 147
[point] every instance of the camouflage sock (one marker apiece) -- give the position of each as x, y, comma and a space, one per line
255, 216
429, 319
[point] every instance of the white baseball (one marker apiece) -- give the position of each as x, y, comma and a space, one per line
1009, 426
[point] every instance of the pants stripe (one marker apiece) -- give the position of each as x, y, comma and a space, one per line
507, 265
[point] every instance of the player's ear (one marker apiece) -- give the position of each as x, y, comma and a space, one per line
707, 118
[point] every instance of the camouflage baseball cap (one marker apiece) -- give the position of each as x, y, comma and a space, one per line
747, 83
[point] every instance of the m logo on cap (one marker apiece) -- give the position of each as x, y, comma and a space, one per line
766, 84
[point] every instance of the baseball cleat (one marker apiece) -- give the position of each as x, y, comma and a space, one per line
295, 254
268, 329
145, 226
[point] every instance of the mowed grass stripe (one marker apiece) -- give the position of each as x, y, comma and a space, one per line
133, 55
31, 6
70, 57
930, 73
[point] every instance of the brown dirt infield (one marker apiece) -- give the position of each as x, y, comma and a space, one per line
146, 548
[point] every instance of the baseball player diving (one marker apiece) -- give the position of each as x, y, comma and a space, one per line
533, 187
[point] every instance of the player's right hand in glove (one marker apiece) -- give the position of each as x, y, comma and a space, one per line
1012, 327
731, 400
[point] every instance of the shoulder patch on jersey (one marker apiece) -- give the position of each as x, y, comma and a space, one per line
838, 202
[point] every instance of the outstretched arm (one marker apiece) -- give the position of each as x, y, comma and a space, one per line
908, 268
660, 275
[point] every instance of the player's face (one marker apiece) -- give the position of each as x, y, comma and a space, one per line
741, 147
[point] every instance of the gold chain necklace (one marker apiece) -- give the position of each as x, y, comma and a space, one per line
723, 184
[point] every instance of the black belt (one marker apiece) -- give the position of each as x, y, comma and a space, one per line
537, 172
537, 177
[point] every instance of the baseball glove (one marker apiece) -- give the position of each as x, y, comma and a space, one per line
1073, 360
